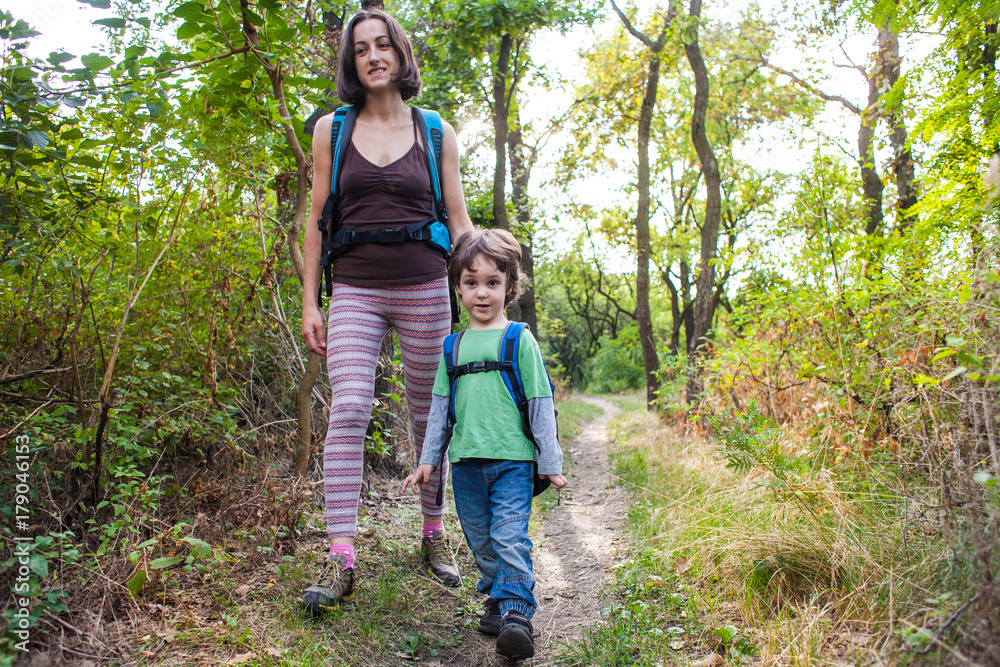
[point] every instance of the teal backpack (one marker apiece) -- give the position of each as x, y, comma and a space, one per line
336, 240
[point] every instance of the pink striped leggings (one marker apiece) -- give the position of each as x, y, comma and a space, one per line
359, 318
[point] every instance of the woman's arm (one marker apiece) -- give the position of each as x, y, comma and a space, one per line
313, 325
451, 186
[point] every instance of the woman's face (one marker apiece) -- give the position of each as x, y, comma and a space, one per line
374, 58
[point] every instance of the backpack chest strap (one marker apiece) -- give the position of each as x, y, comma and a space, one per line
456, 372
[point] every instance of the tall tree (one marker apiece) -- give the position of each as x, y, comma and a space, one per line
705, 302
642, 313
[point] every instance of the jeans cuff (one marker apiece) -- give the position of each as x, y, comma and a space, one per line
522, 607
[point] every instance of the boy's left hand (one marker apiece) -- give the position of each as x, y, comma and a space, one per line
558, 481
422, 475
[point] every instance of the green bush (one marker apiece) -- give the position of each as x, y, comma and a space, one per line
618, 364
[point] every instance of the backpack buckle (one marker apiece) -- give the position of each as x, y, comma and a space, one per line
479, 367
392, 235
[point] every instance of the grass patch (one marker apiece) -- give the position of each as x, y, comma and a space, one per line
783, 566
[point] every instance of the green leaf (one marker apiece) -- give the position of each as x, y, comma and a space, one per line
58, 57
135, 582
100, 4
189, 29
190, 10
946, 352
38, 138
955, 373
163, 563
38, 564
726, 633
111, 23
96, 62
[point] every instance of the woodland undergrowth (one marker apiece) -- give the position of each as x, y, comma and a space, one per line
859, 426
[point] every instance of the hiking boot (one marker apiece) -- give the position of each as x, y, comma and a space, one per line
489, 622
516, 640
438, 560
335, 585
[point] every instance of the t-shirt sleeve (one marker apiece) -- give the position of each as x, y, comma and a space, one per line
532, 368
441, 385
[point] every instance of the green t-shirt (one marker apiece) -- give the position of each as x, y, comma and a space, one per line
487, 423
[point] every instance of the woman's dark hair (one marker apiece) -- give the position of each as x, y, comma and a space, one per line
349, 88
496, 245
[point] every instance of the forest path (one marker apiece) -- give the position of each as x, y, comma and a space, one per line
574, 548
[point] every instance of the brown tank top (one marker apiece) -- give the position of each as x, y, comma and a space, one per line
373, 198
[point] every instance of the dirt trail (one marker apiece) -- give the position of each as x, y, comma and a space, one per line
574, 546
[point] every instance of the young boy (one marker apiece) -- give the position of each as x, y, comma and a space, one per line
492, 460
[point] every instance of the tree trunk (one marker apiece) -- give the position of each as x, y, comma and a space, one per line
675, 315
500, 111
303, 412
871, 184
902, 157
642, 312
704, 306
520, 172
688, 313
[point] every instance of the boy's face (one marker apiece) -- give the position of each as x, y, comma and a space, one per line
483, 288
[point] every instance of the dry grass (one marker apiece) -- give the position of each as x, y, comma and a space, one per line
816, 570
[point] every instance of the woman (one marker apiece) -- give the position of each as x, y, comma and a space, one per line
378, 286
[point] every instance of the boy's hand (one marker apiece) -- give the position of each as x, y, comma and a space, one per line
558, 481
422, 475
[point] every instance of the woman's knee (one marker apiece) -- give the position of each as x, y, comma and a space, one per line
349, 411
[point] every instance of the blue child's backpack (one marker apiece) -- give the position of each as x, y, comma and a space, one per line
511, 374
336, 240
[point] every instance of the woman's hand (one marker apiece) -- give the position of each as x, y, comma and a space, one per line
558, 481
422, 475
314, 330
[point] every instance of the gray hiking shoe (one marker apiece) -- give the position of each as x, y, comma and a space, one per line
438, 561
335, 585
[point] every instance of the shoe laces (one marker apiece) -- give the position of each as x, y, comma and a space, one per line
332, 575
439, 549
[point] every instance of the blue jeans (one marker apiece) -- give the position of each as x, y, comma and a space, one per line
493, 500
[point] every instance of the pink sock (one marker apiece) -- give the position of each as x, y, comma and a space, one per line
429, 528
346, 549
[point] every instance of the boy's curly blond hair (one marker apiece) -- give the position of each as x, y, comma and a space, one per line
497, 245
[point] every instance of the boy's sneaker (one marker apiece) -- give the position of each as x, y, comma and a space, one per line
335, 585
516, 640
438, 560
489, 622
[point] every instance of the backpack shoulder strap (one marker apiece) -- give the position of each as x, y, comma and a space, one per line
432, 130
450, 357
329, 221
340, 140
510, 344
